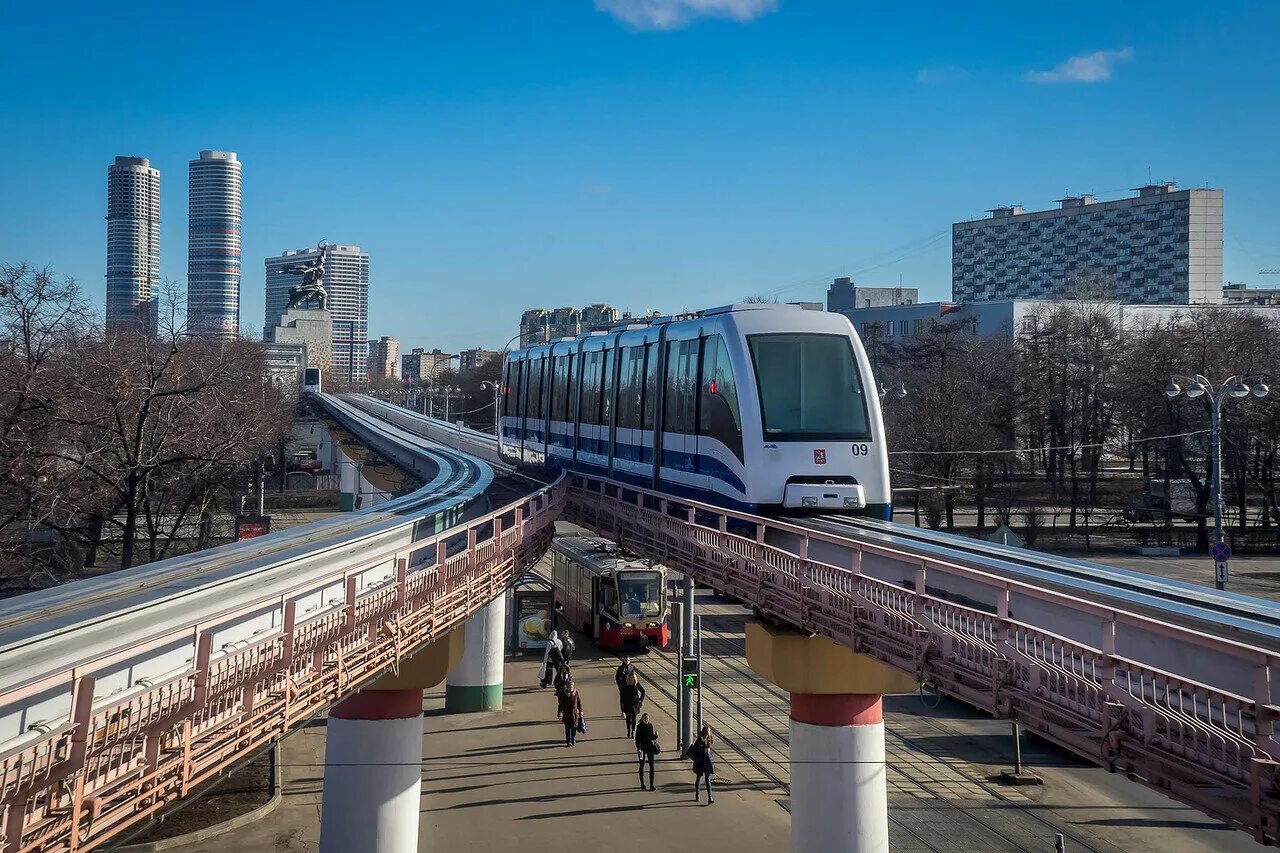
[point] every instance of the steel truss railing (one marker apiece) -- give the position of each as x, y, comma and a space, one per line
1206, 747
111, 766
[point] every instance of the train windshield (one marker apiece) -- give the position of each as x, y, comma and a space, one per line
640, 594
810, 388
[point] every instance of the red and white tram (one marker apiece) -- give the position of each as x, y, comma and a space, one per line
617, 600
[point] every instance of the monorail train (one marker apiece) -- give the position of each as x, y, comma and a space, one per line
750, 407
311, 380
617, 601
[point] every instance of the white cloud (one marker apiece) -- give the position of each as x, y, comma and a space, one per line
674, 14
1085, 68
941, 74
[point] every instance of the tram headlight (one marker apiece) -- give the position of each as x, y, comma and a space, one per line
653, 624
628, 625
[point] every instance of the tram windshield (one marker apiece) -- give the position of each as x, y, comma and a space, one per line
640, 594
809, 387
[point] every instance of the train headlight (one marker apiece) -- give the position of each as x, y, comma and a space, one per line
629, 625
653, 624
808, 502
853, 503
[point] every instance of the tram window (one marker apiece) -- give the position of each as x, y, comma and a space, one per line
682, 369
606, 392
718, 415
631, 387
608, 596
641, 594
589, 408
650, 385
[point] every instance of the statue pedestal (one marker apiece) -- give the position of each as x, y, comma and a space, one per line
311, 327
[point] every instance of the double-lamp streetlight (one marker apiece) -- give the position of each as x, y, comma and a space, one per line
1200, 386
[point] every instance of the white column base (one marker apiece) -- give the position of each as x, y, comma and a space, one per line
839, 794
475, 684
372, 785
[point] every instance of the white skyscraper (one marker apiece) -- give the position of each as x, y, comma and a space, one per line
346, 279
133, 243
213, 244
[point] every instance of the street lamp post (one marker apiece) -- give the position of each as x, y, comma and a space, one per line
497, 396
1197, 386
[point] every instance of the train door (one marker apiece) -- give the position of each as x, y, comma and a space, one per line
522, 407
679, 418
720, 453
595, 607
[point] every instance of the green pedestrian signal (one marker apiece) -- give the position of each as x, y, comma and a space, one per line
691, 681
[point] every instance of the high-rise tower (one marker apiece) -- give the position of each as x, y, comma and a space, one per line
133, 243
213, 244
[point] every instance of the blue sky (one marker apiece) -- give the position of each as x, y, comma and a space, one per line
495, 155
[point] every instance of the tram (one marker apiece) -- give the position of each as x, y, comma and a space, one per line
751, 407
619, 601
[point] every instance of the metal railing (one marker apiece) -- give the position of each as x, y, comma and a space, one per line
114, 763
1206, 746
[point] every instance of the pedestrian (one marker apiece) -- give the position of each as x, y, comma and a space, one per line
570, 712
620, 676
552, 659
567, 646
631, 695
703, 768
562, 676
646, 748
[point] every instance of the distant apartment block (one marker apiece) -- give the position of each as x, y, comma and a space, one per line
384, 359
346, 279
844, 295
133, 243
470, 359
1235, 293
1162, 246
539, 325
419, 365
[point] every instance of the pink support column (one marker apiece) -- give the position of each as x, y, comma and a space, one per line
839, 795
373, 773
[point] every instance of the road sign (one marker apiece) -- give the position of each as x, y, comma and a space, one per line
1220, 551
1220, 572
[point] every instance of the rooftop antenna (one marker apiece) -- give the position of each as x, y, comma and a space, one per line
1148, 173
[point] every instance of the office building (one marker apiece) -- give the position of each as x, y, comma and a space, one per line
384, 359
418, 365
844, 295
346, 280
133, 244
470, 359
1162, 246
213, 244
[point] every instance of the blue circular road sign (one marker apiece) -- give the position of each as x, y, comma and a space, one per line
1220, 551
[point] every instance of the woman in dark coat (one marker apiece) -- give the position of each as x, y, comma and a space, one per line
646, 747
631, 694
570, 712
703, 768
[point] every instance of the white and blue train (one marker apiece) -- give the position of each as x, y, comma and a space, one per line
750, 407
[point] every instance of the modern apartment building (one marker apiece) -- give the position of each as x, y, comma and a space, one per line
384, 359
213, 244
1162, 246
470, 359
133, 243
844, 295
538, 325
346, 279
419, 365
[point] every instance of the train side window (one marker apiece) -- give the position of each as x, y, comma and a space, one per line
650, 403
555, 389
631, 387
718, 416
570, 388
606, 389
589, 409
522, 389
682, 369
535, 388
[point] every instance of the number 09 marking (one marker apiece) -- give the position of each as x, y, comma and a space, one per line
861, 450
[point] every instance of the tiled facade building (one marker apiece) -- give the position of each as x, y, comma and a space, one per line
1162, 246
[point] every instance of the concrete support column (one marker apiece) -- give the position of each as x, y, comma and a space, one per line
475, 684
373, 773
373, 756
348, 483
839, 796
